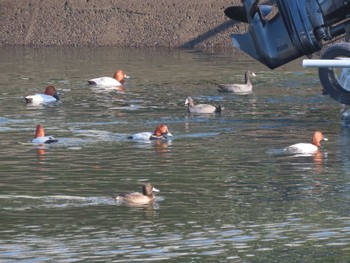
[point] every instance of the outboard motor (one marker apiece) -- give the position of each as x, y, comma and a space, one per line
288, 29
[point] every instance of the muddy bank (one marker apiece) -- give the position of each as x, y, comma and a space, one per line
151, 23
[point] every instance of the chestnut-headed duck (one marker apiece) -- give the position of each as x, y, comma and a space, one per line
312, 147
161, 132
50, 95
143, 198
247, 87
117, 80
201, 108
40, 137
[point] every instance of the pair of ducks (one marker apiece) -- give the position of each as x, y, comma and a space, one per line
119, 79
245, 88
51, 95
161, 132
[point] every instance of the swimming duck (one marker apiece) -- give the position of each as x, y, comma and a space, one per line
307, 147
40, 137
143, 198
239, 88
50, 95
201, 108
161, 132
117, 80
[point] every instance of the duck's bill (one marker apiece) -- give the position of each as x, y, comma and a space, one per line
325, 139
169, 134
155, 189
126, 76
253, 74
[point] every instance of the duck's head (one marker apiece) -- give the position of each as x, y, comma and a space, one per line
189, 101
148, 189
162, 130
120, 76
50, 90
317, 138
248, 74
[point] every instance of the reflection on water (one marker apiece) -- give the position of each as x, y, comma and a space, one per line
228, 193
344, 78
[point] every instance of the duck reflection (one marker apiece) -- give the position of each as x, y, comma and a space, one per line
303, 160
120, 89
149, 210
318, 161
40, 153
343, 150
345, 115
149, 207
162, 147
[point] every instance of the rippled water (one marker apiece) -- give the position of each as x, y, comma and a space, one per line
344, 78
228, 194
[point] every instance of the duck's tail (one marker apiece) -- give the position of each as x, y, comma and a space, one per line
28, 99
221, 88
218, 108
118, 198
51, 140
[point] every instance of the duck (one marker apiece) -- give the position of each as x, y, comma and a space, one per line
161, 132
143, 198
117, 80
247, 87
201, 108
312, 147
40, 137
50, 95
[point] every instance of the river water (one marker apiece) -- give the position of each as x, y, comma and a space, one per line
227, 192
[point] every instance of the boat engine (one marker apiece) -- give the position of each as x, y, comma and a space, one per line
280, 31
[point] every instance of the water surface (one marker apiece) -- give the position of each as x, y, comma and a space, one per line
228, 194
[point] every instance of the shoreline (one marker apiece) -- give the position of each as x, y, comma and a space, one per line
155, 23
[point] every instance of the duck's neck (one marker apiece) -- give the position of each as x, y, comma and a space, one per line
190, 103
316, 142
150, 195
156, 137
247, 79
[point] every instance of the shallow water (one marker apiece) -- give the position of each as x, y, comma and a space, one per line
228, 193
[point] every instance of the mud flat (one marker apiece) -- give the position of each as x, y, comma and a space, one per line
133, 23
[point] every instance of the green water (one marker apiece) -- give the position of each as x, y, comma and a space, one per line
227, 193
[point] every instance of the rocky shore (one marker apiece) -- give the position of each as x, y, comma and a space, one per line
133, 23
